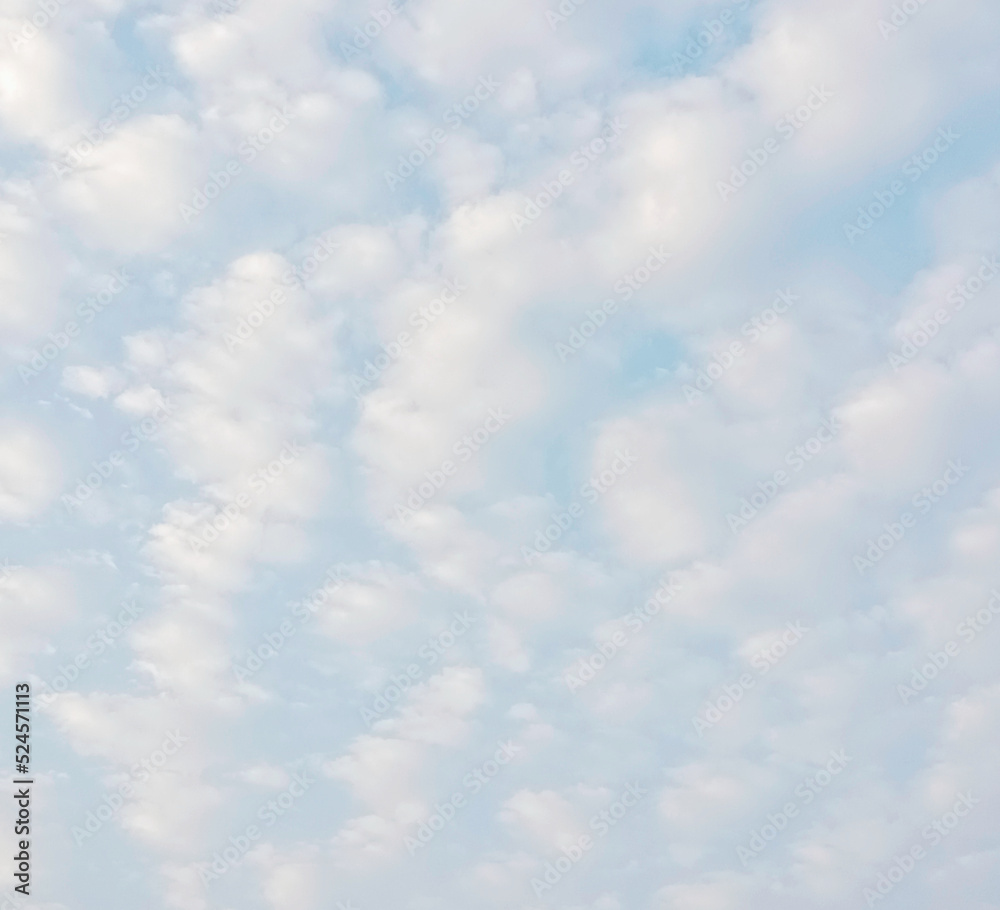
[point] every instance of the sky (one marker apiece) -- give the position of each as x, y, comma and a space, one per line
502, 456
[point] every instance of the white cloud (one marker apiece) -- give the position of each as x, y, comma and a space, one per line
127, 198
30, 472
248, 328
92, 382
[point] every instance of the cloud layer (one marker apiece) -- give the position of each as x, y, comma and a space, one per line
522, 455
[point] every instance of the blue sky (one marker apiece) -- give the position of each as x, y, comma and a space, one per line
257, 687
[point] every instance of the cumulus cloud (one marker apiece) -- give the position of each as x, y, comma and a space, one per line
30, 472
658, 341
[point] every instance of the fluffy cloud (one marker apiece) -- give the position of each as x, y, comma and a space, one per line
629, 359
30, 472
